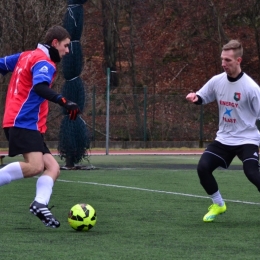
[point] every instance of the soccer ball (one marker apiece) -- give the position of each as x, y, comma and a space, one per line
82, 217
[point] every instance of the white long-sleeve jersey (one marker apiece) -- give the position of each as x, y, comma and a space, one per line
239, 108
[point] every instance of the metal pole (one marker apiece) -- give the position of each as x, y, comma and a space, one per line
201, 127
94, 113
107, 118
145, 116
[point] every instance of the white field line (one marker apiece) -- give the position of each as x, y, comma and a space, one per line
155, 191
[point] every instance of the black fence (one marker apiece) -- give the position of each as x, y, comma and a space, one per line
148, 117
142, 116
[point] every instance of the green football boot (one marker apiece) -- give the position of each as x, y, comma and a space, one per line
214, 210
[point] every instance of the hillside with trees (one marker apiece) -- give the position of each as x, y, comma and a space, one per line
158, 51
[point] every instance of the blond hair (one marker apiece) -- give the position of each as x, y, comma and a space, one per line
234, 45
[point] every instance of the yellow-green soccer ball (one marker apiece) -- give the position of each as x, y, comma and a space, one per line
82, 217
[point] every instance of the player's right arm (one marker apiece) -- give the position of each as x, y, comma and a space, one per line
207, 93
7, 63
194, 98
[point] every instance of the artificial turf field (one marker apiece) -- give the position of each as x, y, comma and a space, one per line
148, 207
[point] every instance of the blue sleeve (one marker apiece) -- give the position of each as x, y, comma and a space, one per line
7, 64
43, 71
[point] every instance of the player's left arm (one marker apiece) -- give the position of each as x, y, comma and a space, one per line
44, 91
255, 102
43, 74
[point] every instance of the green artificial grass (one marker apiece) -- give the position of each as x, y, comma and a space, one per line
144, 211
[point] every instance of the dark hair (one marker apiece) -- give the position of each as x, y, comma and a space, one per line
234, 45
56, 32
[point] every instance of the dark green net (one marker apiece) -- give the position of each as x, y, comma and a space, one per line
73, 21
73, 2
74, 139
73, 62
74, 91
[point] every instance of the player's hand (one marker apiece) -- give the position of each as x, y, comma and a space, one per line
192, 97
71, 107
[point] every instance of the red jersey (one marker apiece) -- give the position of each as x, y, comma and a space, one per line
24, 108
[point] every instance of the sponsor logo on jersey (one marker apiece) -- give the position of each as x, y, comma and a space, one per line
228, 119
44, 69
237, 96
228, 112
228, 104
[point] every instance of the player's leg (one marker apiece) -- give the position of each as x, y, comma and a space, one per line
19, 143
10, 172
249, 155
44, 185
32, 164
46, 181
207, 164
216, 155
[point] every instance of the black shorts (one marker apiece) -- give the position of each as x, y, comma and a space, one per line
227, 152
23, 141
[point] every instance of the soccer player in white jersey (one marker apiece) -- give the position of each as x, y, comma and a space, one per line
238, 99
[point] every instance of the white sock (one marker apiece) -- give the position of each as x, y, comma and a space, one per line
217, 199
10, 172
44, 189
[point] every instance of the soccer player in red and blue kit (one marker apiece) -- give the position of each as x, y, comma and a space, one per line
25, 116
238, 98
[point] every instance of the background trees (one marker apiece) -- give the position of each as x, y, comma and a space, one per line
171, 47
23, 24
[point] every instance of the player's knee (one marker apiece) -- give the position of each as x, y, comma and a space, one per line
57, 172
203, 167
251, 170
35, 169
54, 171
